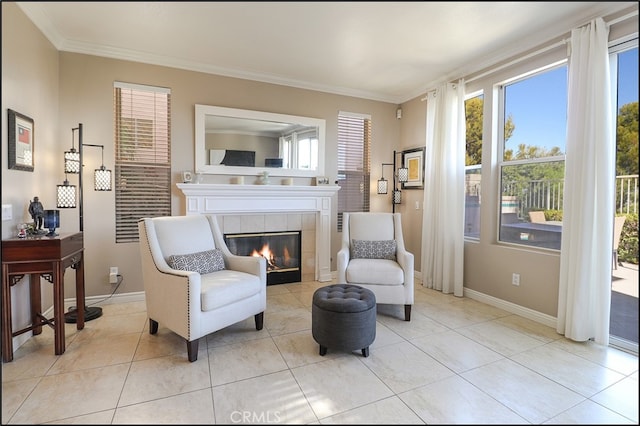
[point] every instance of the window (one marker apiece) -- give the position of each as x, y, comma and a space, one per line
473, 162
143, 156
354, 166
533, 135
625, 60
299, 150
307, 152
623, 327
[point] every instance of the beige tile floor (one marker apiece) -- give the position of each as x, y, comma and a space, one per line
456, 361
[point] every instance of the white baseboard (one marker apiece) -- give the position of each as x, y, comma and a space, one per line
108, 299
536, 316
104, 300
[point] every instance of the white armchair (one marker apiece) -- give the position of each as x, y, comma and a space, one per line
373, 256
193, 284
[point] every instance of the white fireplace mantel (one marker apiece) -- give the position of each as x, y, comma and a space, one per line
255, 199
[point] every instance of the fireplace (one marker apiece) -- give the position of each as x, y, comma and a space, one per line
282, 250
273, 208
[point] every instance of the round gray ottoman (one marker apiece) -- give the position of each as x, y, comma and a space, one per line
343, 317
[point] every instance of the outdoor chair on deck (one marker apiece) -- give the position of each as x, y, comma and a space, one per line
537, 217
617, 232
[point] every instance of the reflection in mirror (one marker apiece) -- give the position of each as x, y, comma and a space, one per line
238, 142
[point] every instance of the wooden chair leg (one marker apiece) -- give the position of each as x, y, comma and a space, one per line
323, 350
407, 312
259, 320
153, 326
365, 352
192, 350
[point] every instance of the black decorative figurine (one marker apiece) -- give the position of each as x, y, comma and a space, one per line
36, 210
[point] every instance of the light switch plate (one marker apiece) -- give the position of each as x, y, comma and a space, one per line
7, 212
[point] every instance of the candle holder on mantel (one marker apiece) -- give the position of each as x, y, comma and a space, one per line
263, 179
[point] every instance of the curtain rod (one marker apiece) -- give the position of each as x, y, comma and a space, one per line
515, 61
540, 51
622, 18
508, 64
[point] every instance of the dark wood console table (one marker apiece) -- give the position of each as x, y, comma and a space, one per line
47, 257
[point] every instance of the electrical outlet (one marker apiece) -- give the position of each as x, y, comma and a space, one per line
113, 275
515, 279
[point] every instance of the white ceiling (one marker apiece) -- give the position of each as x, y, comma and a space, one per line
387, 51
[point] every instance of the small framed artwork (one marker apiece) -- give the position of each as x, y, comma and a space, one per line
187, 177
322, 180
413, 159
20, 141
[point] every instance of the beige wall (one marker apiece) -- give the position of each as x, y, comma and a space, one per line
412, 135
30, 87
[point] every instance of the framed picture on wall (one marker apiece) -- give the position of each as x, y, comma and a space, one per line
21, 143
413, 159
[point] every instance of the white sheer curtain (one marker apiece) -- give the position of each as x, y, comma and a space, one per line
443, 220
585, 261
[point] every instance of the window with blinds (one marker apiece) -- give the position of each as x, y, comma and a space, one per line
143, 156
354, 165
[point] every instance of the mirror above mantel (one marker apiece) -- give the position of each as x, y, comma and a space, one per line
231, 141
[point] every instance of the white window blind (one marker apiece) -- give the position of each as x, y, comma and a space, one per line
354, 165
143, 156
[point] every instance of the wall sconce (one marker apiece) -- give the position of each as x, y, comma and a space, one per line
383, 184
403, 174
72, 157
101, 176
400, 174
397, 196
66, 193
66, 198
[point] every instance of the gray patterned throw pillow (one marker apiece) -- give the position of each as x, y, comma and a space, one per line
364, 249
202, 262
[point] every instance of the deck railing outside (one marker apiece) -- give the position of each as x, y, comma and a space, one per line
627, 194
548, 195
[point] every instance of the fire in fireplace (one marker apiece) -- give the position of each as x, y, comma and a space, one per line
282, 250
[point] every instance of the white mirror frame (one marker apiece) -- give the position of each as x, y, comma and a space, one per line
201, 165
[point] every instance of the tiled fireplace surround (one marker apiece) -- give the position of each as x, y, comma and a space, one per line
272, 208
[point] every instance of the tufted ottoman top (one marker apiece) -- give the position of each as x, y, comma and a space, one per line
344, 298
